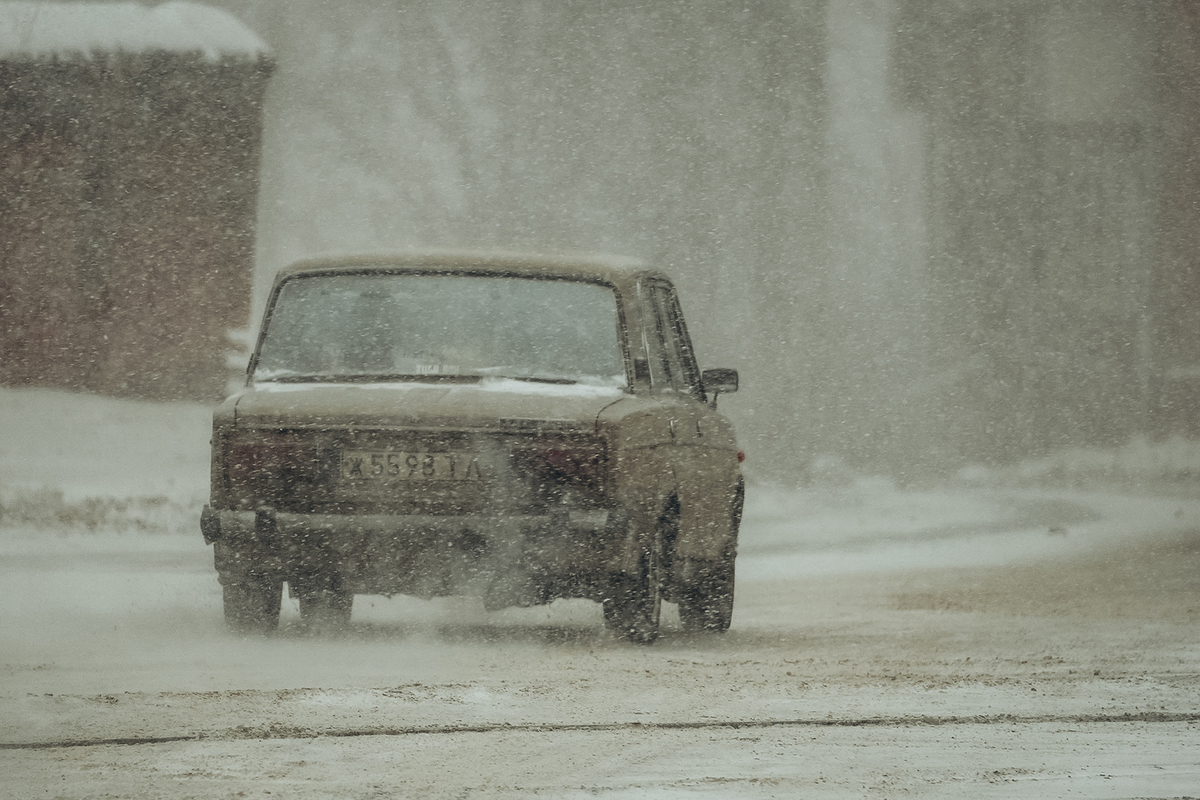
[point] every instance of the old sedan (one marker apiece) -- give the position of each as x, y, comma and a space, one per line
514, 428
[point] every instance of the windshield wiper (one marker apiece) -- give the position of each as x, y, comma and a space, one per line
534, 379
371, 378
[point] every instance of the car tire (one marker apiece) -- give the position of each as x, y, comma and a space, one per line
326, 611
633, 607
252, 605
704, 591
706, 601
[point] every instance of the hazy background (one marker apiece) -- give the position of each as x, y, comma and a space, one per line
929, 233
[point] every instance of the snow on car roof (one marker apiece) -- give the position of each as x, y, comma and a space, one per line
81, 30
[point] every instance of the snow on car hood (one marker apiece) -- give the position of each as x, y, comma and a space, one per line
489, 403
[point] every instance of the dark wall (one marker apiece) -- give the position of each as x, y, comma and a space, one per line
1060, 191
128, 218
1177, 287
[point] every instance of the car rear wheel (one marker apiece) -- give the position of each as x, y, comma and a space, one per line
252, 604
325, 609
634, 605
703, 588
706, 601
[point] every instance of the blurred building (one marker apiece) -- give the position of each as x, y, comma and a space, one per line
129, 158
1061, 195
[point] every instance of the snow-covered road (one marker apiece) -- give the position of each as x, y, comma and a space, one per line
983, 642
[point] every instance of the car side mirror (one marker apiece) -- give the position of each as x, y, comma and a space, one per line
717, 381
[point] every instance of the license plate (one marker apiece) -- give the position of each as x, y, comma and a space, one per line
394, 465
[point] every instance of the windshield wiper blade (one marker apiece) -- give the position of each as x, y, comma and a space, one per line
293, 378
371, 378
534, 379
435, 377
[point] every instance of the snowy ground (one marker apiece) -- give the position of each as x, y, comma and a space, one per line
995, 638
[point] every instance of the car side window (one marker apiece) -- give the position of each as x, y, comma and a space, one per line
673, 366
661, 375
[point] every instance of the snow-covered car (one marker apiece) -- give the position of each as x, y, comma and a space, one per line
519, 429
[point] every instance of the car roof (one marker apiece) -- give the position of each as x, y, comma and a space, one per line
616, 270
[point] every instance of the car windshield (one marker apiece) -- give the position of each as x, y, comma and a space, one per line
401, 326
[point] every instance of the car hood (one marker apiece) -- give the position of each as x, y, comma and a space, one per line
489, 404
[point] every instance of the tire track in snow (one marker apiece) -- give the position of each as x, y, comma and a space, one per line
285, 732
